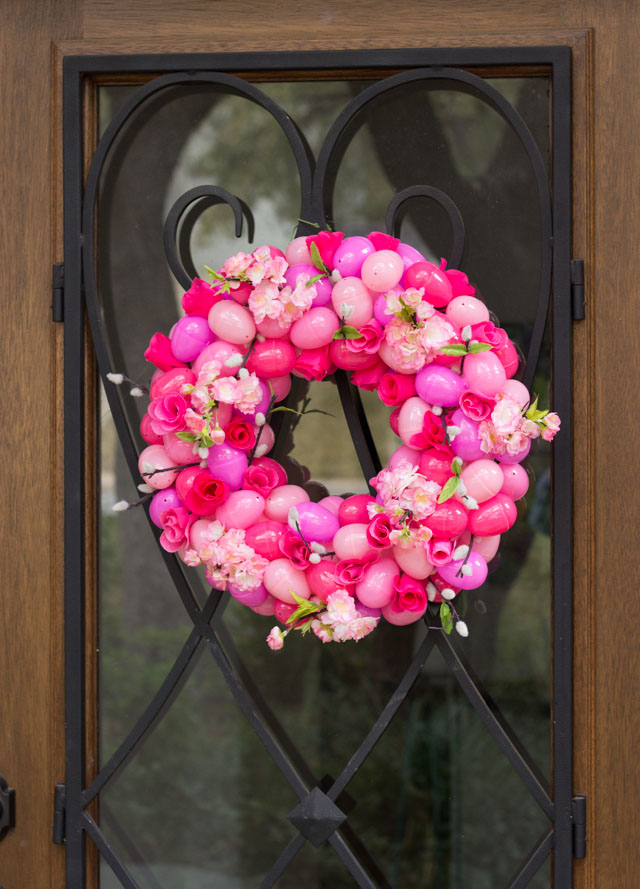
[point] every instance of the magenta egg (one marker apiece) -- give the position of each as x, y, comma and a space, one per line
297, 252
466, 444
171, 381
219, 351
448, 520
293, 273
265, 537
323, 288
185, 479
350, 255
382, 270
403, 454
190, 335
227, 463
435, 465
508, 459
440, 385
167, 499
344, 358
240, 294
463, 310
354, 509
437, 287
516, 481
315, 523
411, 419
484, 374
494, 516
508, 357
271, 358
350, 541
380, 312
376, 587
413, 561
241, 509
232, 323
322, 579
283, 611
282, 579
482, 479
352, 293
250, 598
315, 329
451, 572
147, 432
281, 499
152, 458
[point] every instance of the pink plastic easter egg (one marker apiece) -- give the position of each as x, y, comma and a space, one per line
484, 373
411, 418
298, 252
315, 329
386, 354
440, 385
466, 444
281, 386
463, 310
185, 479
487, 547
402, 618
449, 572
508, 459
413, 561
376, 587
352, 292
250, 598
267, 608
482, 479
272, 358
350, 255
380, 310
232, 323
178, 450
332, 503
293, 273
156, 456
283, 611
517, 391
437, 287
403, 454
147, 432
516, 481
171, 381
435, 465
344, 358
409, 255
227, 463
494, 516
354, 509
270, 328
382, 270
241, 509
448, 520
282, 579
350, 541
323, 288
267, 440
322, 579
316, 523
198, 533
281, 499
265, 538
166, 499
190, 335
240, 294
220, 351
508, 357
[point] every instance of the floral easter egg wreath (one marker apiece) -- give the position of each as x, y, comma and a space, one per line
408, 329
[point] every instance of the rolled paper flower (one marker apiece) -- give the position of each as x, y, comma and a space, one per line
200, 297
475, 407
394, 389
175, 528
167, 413
159, 352
368, 378
206, 493
264, 475
350, 571
371, 335
394, 420
439, 551
240, 434
487, 332
314, 364
459, 283
378, 531
295, 549
409, 595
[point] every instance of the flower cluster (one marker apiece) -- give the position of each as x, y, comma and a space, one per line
410, 330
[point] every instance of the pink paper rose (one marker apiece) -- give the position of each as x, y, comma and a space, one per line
175, 528
371, 335
394, 389
487, 332
205, 494
240, 434
295, 549
381, 241
368, 378
314, 364
439, 552
350, 571
475, 407
410, 595
327, 244
159, 352
199, 298
167, 413
263, 475
379, 530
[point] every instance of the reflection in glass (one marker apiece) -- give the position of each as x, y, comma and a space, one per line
437, 806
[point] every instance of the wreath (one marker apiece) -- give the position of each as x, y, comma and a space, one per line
402, 326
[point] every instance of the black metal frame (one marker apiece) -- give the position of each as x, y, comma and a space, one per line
317, 816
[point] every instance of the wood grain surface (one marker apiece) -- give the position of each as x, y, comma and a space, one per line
606, 118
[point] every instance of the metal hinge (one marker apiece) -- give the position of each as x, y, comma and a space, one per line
57, 292
59, 808
579, 820
577, 289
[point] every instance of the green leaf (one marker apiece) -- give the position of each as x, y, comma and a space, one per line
316, 259
445, 618
187, 436
339, 335
449, 489
289, 410
316, 410
456, 466
350, 333
304, 609
215, 275
529, 414
315, 278
456, 350
206, 441
474, 348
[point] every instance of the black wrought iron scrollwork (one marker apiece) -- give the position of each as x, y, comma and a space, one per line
317, 182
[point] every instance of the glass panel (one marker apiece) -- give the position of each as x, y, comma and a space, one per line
421, 802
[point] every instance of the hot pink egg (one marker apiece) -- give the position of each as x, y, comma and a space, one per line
435, 465
344, 358
250, 598
265, 537
227, 463
354, 509
315, 523
171, 381
322, 579
147, 432
494, 516
351, 254
507, 459
440, 385
466, 444
437, 287
271, 358
448, 520
190, 335
281, 386
450, 572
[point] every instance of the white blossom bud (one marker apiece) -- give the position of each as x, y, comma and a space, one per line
136, 392
346, 311
145, 489
233, 361
335, 276
437, 410
243, 373
116, 379
260, 338
318, 548
432, 592
148, 467
195, 448
203, 464
466, 333
470, 502
120, 506
452, 431
314, 558
462, 488
460, 552
261, 450
260, 419
294, 516
203, 453
447, 593
462, 628
467, 570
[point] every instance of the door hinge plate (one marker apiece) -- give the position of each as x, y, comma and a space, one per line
59, 807
579, 820
57, 292
577, 290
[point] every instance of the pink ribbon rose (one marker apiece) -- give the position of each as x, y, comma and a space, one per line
199, 298
239, 434
167, 413
410, 595
379, 530
314, 364
159, 352
263, 475
295, 549
205, 494
475, 407
175, 524
394, 389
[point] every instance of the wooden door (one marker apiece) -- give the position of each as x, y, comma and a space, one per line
35, 37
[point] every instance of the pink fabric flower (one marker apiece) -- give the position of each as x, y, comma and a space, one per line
159, 352
475, 407
327, 244
175, 528
239, 434
350, 571
167, 413
552, 424
368, 378
199, 298
506, 416
458, 280
295, 549
381, 241
487, 332
263, 475
275, 639
314, 364
432, 435
394, 389
371, 335
378, 531
439, 552
205, 494
410, 595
